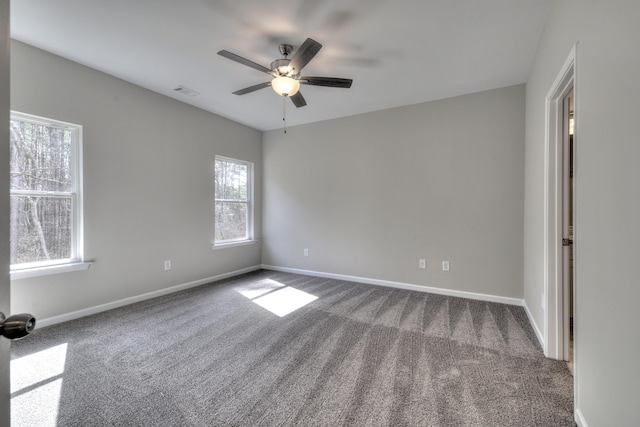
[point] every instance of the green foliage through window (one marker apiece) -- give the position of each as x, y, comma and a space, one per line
232, 200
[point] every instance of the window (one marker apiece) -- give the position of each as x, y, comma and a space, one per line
233, 200
46, 196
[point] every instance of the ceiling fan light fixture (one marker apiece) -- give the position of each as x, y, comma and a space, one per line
285, 86
285, 73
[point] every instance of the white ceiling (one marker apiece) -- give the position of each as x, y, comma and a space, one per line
398, 52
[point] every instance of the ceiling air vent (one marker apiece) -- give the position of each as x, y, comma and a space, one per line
186, 91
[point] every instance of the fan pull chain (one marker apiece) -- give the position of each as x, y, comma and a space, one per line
284, 114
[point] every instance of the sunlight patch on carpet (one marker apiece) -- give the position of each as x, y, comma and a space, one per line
276, 297
38, 378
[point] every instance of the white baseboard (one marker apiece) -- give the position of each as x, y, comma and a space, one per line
409, 286
534, 325
420, 288
579, 418
41, 323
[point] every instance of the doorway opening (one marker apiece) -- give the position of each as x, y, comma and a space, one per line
568, 127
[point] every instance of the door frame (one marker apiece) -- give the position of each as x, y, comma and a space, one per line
565, 82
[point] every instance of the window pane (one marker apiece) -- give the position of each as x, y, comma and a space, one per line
231, 180
231, 221
40, 157
40, 228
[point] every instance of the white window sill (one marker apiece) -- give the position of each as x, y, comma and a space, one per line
233, 244
49, 269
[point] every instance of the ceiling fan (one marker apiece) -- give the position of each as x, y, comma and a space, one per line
286, 72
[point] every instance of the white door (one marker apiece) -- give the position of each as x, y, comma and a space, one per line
4, 206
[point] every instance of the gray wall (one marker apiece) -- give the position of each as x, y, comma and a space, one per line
148, 184
607, 197
371, 194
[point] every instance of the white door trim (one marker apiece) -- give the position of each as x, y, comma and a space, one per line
553, 290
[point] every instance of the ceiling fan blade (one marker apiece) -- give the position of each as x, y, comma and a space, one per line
298, 100
304, 54
252, 88
326, 81
244, 61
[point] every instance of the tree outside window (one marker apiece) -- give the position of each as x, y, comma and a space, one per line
44, 186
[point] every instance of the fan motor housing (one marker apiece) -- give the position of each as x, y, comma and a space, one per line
285, 49
281, 66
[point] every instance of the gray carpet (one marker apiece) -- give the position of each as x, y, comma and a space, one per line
357, 355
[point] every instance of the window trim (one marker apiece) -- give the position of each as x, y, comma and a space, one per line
249, 239
76, 260
233, 244
27, 273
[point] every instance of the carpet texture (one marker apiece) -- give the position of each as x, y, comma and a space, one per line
355, 354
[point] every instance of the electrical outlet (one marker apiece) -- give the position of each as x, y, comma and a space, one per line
167, 265
306, 251
422, 263
445, 266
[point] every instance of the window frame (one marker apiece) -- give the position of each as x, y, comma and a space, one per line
76, 260
249, 236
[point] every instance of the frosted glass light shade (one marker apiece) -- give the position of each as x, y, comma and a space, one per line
285, 86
